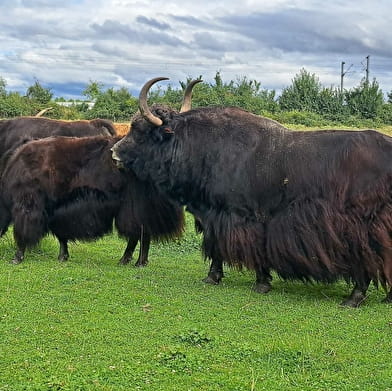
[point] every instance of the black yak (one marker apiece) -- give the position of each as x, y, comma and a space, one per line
313, 206
71, 188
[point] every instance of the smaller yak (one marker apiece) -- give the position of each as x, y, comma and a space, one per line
17, 131
71, 187
311, 206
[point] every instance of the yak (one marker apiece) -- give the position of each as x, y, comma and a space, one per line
17, 131
310, 206
71, 187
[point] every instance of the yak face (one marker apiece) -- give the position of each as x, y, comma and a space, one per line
145, 141
147, 146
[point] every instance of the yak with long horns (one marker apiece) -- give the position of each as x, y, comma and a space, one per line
313, 206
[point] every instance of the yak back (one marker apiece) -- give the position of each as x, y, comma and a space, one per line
59, 165
227, 158
17, 131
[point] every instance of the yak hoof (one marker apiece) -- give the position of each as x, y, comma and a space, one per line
141, 264
212, 279
63, 258
353, 302
16, 261
262, 287
123, 261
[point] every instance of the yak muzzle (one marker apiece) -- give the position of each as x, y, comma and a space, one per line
118, 162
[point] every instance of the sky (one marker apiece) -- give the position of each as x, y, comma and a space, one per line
122, 43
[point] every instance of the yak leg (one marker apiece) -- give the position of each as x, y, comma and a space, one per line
387, 256
131, 245
215, 274
30, 222
263, 280
145, 241
388, 298
19, 255
358, 294
63, 253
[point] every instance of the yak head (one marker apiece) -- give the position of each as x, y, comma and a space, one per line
146, 147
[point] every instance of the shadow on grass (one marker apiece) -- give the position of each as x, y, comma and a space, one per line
306, 292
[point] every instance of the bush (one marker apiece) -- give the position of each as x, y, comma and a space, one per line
305, 118
385, 113
366, 100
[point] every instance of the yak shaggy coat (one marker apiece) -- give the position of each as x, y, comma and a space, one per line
71, 187
17, 131
313, 206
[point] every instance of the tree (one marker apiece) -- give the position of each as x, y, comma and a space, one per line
303, 93
389, 97
116, 105
242, 92
38, 93
3, 84
93, 90
366, 100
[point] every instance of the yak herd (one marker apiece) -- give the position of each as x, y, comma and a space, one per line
312, 206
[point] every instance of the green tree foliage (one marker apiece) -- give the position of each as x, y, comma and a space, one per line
38, 93
306, 94
389, 97
242, 92
302, 94
116, 105
305, 102
13, 105
93, 90
3, 84
366, 100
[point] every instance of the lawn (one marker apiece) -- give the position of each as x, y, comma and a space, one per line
89, 324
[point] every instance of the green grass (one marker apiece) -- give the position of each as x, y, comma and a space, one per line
89, 324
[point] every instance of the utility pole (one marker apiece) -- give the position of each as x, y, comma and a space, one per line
367, 69
341, 78
342, 74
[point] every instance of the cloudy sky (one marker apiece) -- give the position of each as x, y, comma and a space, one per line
122, 43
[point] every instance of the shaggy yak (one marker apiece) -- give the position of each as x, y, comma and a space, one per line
313, 206
17, 131
72, 188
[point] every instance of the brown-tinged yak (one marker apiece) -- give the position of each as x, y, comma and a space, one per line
71, 187
313, 206
17, 131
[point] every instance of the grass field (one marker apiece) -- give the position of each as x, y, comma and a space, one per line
89, 324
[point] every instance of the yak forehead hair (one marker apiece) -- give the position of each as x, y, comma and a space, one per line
164, 112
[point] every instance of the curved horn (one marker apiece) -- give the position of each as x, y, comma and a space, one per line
143, 107
186, 102
43, 111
